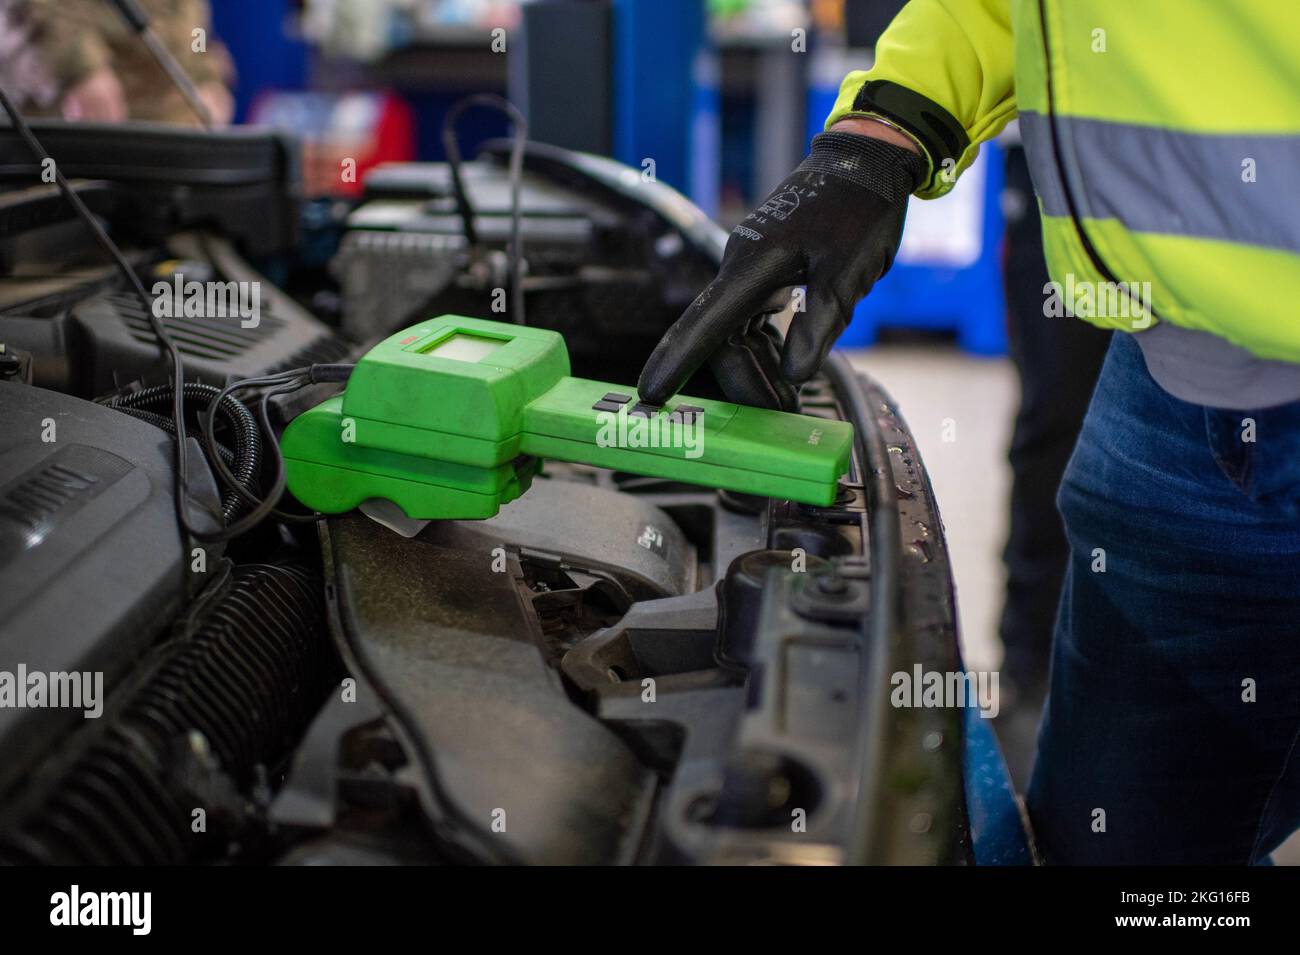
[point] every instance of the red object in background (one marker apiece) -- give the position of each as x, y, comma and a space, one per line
342, 134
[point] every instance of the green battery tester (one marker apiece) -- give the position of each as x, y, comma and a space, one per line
452, 418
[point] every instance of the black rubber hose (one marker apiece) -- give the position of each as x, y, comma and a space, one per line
247, 464
162, 421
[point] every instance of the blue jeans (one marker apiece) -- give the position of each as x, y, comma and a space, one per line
1170, 734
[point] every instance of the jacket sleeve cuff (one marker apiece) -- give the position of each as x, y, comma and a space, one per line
943, 141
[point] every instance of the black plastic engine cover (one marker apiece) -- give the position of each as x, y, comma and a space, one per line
91, 560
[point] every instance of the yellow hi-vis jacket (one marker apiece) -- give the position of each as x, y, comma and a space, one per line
1163, 137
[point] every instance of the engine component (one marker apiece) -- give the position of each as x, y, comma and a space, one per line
91, 559
610, 256
232, 693
741, 598
226, 319
633, 540
164, 178
463, 660
217, 345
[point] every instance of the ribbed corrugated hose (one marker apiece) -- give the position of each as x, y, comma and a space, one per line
247, 451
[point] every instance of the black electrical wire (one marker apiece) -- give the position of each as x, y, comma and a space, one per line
247, 439
279, 383
267, 505
520, 140
208, 425
224, 473
165, 342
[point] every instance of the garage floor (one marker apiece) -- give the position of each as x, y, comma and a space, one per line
960, 410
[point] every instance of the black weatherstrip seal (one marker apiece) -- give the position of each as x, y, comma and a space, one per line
910, 620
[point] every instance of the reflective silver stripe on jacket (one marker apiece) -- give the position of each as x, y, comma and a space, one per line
1157, 180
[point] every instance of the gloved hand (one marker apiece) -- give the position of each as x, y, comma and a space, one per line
833, 225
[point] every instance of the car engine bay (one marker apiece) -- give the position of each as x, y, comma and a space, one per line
613, 670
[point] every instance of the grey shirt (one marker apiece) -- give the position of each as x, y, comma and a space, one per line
1205, 369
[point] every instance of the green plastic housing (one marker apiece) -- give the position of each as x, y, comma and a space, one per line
451, 419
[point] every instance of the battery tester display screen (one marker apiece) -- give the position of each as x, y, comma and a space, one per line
464, 347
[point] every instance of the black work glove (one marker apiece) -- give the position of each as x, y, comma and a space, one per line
833, 225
